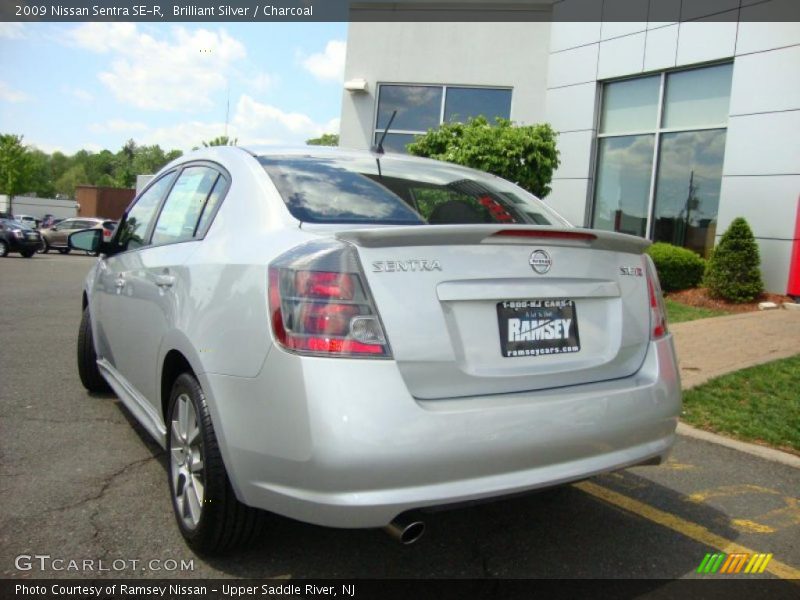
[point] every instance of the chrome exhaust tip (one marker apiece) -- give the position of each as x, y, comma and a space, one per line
405, 529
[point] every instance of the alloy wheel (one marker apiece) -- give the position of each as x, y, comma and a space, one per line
187, 469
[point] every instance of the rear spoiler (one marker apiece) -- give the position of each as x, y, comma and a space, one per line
470, 235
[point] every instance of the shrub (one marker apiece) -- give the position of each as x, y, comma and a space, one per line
524, 154
678, 268
733, 271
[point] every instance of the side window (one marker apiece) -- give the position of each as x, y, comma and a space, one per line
136, 223
211, 205
184, 205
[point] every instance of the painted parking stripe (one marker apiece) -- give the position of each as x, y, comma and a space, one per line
682, 526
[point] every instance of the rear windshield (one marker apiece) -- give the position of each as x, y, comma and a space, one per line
399, 192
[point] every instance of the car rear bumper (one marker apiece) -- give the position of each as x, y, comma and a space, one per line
341, 443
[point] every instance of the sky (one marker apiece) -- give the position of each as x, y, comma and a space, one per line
94, 86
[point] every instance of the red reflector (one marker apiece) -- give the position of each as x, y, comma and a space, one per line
545, 234
324, 284
318, 344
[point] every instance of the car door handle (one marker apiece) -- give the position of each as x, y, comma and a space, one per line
165, 281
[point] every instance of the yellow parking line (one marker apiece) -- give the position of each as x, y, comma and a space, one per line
682, 526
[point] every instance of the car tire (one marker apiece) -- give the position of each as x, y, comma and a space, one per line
44, 248
28, 253
88, 370
3, 248
64, 250
210, 517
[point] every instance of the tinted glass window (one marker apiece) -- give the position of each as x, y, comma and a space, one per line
630, 105
395, 142
139, 218
211, 205
699, 97
688, 187
181, 212
352, 190
462, 103
418, 107
623, 183
325, 191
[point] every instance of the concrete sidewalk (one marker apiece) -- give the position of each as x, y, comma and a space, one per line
711, 347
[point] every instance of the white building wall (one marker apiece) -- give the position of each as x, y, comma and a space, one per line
501, 54
39, 207
761, 171
556, 71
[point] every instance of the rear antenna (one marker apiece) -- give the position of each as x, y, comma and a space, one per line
378, 150
379, 147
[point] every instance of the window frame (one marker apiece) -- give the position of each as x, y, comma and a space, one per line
177, 170
196, 237
657, 131
444, 87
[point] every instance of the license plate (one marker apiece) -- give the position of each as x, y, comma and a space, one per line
538, 327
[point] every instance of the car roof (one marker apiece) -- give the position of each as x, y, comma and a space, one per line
224, 153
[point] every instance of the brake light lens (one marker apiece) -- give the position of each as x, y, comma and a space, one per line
319, 304
658, 311
546, 234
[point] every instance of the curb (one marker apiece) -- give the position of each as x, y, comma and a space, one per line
760, 451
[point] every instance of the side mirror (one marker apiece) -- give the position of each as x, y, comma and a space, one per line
87, 240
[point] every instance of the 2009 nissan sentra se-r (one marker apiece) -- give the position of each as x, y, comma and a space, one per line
344, 337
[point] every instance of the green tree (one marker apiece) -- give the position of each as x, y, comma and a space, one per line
524, 154
734, 267
40, 174
326, 139
14, 167
71, 178
222, 140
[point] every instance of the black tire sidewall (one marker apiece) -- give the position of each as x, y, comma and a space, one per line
213, 496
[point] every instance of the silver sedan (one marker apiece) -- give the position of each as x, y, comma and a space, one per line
350, 338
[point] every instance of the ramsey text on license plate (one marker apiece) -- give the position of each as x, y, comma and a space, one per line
538, 327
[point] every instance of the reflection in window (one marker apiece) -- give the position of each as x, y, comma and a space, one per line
462, 103
342, 190
696, 98
181, 211
623, 184
630, 105
687, 188
395, 142
136, 223
420, 108
690, 144
211, 205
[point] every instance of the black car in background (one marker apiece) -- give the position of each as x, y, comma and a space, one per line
16, 237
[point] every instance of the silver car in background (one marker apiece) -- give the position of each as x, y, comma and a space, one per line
343, 338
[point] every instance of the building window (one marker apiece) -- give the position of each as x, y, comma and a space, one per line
659, 157
423, 107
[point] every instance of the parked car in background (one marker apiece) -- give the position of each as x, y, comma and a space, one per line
56, 236
342, 337
18, 237
27, 220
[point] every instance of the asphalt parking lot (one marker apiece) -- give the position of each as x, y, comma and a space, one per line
79, 482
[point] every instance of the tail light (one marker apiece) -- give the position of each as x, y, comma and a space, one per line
658, 312
107, 233
320, 305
